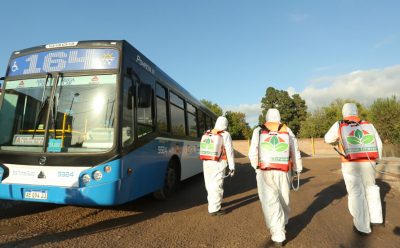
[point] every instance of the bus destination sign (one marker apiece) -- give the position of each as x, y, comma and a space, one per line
64, 60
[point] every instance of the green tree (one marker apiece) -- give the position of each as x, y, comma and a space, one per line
319, 122
293, 109
238, 127
299, 115
385, 115
212, 106
334, 110
315, 125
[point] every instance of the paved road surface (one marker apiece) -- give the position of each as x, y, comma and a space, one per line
319, 217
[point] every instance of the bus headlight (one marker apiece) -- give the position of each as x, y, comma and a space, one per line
97, 175
85, 178
107, 169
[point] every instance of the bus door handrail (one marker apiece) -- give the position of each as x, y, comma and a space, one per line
43, 103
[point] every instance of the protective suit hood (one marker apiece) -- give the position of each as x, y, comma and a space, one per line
273, 115
221, 123
349, 109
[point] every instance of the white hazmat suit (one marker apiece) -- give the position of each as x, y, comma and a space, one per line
274, 185
364, 201
214, 171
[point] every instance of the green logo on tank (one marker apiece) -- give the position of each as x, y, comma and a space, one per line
358, 137
274, 144
207, 144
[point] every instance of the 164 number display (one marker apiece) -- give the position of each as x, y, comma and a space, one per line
64, 60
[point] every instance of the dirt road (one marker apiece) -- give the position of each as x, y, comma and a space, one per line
319, 217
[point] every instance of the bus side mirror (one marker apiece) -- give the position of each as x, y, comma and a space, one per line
144, 97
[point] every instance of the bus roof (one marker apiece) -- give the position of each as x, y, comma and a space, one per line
121, 45
171, 83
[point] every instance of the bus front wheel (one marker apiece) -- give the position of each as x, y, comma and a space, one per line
172, 181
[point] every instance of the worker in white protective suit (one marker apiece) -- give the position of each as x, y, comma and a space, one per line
360, 146
214, 170
274, 154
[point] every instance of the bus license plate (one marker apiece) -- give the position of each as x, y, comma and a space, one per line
36, 194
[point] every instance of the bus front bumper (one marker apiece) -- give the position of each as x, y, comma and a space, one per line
95, 195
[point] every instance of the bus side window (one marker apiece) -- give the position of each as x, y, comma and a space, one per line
162, 119
127, 113
192, 120
177, 115
144, 109
209, 123
144, 96
202, 126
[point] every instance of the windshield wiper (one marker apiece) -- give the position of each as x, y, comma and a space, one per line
50, 111
42, 105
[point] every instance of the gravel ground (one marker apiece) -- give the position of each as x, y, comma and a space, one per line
319, 217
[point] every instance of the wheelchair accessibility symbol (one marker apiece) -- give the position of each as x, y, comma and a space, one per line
14, 67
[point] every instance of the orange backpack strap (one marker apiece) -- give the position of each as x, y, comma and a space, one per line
263, 127
216, 131
280, 127
223, 152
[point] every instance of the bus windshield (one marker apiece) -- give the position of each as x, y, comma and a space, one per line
81, 118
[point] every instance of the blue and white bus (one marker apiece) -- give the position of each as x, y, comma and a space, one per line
95, 123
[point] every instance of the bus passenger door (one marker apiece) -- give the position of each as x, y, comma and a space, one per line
128, 101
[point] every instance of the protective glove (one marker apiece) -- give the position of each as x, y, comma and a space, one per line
231, 172
334, 143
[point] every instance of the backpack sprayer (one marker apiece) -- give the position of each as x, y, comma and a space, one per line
293, 175
373, 165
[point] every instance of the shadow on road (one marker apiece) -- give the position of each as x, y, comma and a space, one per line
17, 209
244, 181
191, 194
238, 203
363, 241
324, 198
396, 230
303, 181
329, 196
385, 193
141, 210
102, 226
358, 241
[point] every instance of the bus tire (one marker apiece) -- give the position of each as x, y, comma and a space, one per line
172, 180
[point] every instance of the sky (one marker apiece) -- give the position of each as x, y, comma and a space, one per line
229, 51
